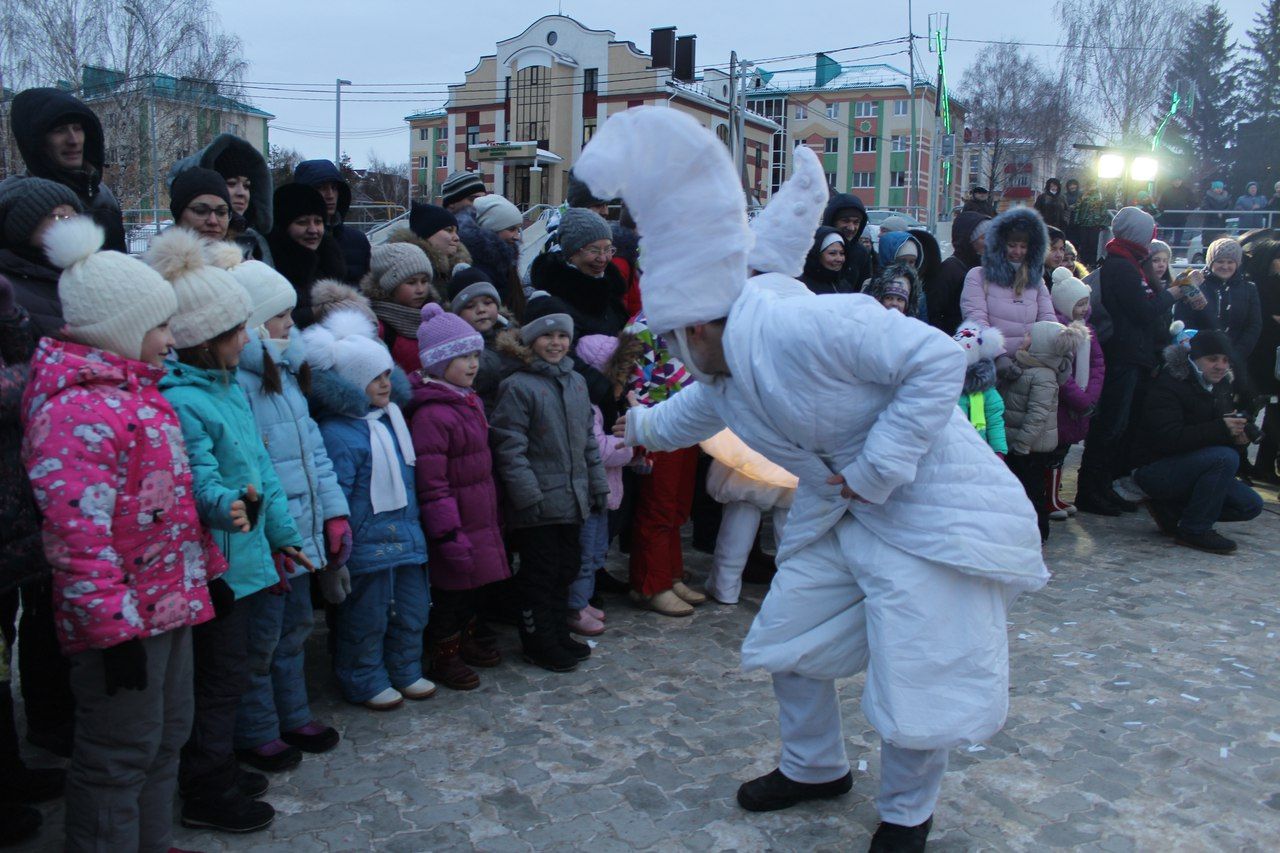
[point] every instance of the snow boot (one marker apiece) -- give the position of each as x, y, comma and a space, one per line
477, 647
540, 640
447, 666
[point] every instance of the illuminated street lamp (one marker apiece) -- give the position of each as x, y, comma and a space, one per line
1143, 169
1110, 166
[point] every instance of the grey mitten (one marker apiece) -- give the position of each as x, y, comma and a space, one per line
335, 584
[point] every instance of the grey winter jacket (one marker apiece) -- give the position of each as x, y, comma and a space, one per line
1031, 404
544, 448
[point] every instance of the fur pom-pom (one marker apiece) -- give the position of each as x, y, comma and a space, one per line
329, 295
71, 241
348, 323
1176, 327
175, 253
992, 343
319, 342
222, 254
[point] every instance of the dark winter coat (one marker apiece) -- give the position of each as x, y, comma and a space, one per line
1052, 207
33, 114
545, 447
457, 498
1178, 198
857, 260
352, 242
987, 208
496, 259
943, 290
496, 364
35, 287
1233, 307
258, 216
1216, 201
21, 550
816, 277
304, 267
1179, 415
1133, 310
1262, 363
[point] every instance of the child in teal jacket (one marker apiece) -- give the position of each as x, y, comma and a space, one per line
979, 400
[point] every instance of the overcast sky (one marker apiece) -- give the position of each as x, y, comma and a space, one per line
422, 46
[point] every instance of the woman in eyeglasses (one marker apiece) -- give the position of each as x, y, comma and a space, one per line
200, 202
28, 208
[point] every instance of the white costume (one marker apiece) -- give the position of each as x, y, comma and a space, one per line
911, 585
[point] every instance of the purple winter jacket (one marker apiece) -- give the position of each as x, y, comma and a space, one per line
456, 495
1076, 404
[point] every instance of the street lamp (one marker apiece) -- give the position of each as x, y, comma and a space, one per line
1110, 166
337, 119
1143, 169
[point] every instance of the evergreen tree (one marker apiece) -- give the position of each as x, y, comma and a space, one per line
1262, 70
1200, 137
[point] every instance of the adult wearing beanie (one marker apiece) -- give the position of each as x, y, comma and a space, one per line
200, 202
324, 177
1133, 307
1190, 454
460, 190
301, 246
580, 195
434, 230
490, 229
28, 209
249, 184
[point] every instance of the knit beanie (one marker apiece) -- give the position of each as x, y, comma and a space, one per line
545, 314
210, 300
294, 200
269, 291
1045, 337
109, 300
426, 219
830, 240
580, 194
346, 343
596, 350
459, 185
1224, 249
1210, 342
980, 230
495, 213
1067, 291
389, 265
25, 203
442, 337
467, 285
194, 182
1158, 247
580, 227
892, 224
895, 286
1135, 225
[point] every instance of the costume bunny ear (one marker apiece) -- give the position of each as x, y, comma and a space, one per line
784, 229
680, 186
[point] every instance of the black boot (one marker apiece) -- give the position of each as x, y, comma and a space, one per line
1110, 494
774, 791
580, 651
540, 640
231, 812
895, 838
1091, 498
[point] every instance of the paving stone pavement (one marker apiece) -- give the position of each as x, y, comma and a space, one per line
1144, 715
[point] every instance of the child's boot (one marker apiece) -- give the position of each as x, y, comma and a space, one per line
477, 649
447, 666
540, 640
1052, 486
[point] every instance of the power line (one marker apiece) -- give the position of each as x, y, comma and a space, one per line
1063, 46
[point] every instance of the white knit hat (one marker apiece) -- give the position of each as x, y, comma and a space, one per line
210, 300
784, 229
1067, 291
346, 343
109, 299
496, 213
680, 186
269, 291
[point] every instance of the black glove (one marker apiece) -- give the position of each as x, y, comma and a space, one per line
125, 666
221, 596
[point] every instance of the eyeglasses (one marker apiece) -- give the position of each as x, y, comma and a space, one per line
203, 210
62, 217
593, 252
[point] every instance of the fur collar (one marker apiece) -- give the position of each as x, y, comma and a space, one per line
332, 395
980, 376
592, 297
1177, 363
442, 267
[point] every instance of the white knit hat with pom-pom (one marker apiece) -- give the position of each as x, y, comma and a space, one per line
271, 292
346, 343
1067, 291
109, 300
210, 300
784, 229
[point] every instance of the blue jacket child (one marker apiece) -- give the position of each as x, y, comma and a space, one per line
382, 593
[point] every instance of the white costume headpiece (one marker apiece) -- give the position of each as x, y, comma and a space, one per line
784, 229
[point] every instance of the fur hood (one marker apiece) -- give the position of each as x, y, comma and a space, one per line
442, 266
980, 376
510, 345
329, 295
258, 216
333, 395
962, 236
486, 250
1177, 363
875, 287
996, 269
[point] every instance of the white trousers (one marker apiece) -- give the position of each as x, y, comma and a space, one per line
813, 751
739, 523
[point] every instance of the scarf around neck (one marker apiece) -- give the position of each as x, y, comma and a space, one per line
386, 485
401, 318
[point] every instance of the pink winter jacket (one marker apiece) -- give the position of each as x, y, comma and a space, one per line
105, 455
994, 305
614, 455
1076, 404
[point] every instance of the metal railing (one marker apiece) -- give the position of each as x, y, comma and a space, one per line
1189, 232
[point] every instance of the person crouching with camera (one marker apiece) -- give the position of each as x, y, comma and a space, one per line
1191, 452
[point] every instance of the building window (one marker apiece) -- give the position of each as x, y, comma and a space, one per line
863, 180
533, 105
233, 128
424, 162
898, 142
506, 88
588, 129
444, 132
590, 80
802, 112
864, 144
442, 161
864, 109
901, 108
975, 166
833, 111
424, 134
831, 179
831, 144
473, 134
897, 179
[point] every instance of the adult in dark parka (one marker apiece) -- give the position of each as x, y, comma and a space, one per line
847, 214
73, 159
301, 264
26, 205
325, 178
233, 157
942, 291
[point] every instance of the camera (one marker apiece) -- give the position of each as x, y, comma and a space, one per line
1251, 430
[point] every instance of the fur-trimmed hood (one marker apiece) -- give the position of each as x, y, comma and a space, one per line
996, 268
876, 286
253, 356
509, 344
333, 395
486, 250
1177, 363
442, 266
979, 376
258, 216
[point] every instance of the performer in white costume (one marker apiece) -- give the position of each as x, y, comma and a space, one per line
891, 561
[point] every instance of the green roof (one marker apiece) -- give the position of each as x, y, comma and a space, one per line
104, 82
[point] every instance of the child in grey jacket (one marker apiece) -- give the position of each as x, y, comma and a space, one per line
546, 454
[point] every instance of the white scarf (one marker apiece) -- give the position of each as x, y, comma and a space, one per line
386, 487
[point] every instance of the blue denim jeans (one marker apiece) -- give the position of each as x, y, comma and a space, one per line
276, 700
1202, 485
378, 631
595, 550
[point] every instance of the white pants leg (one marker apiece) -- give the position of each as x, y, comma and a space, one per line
738, 526
809, 720
909, 783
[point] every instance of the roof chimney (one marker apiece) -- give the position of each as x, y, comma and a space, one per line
686, 49
827, 70
662, 46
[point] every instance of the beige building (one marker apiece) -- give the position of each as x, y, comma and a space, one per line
524, 112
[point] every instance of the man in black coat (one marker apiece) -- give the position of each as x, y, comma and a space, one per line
61, 139
942, 291
980, 200
1191, 450
847, 214
324, 176
1176, 197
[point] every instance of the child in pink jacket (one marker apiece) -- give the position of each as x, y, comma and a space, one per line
132, 565
1078, 396
613, 357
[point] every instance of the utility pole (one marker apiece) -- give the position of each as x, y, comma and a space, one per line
913, 191
742, 123
337, 119
939, 23
733, 110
